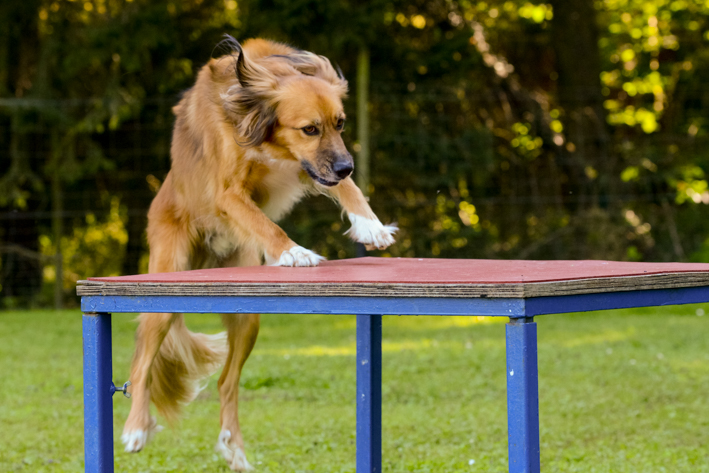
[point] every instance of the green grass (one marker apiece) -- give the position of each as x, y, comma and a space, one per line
621, 391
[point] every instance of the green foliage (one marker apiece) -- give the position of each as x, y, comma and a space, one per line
482, 143
93, 247
620, 391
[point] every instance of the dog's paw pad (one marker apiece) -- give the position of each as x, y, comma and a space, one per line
298, 256
233, 454
371, 232
135, 439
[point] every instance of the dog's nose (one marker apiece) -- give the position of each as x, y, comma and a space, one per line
342, 169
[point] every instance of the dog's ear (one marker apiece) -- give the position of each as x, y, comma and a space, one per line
319, 66
251, 103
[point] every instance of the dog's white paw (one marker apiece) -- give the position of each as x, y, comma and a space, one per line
371, 232
233, 454
297, 256
135, 440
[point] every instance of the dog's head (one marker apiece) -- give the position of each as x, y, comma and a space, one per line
294, 101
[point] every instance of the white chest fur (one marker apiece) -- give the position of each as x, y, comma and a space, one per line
283, 186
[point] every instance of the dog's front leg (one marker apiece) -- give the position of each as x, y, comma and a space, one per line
252, 224
366, 227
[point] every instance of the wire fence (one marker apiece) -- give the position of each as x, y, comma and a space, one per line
454, 185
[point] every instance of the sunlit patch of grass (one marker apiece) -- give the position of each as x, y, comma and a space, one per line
426, 322
438, 322
620, 391
606, 336
351, 349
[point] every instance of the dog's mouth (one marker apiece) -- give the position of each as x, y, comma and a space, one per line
307, 167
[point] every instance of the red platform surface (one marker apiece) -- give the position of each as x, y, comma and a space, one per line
418, 271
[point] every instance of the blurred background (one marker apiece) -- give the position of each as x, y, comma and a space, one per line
498, 129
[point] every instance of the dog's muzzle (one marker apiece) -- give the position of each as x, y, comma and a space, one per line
341, 169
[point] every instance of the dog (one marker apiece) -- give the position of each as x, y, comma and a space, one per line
260, 130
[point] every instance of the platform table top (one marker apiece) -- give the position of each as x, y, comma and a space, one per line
410, 277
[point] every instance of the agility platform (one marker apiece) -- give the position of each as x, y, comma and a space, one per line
371, 288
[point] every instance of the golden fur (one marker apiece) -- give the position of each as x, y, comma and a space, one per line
259, 130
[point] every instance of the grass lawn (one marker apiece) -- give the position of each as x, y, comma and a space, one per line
621, 391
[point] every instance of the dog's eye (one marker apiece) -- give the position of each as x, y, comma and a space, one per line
310, 130
340, 124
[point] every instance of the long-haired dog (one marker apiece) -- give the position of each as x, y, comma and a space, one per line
259, 130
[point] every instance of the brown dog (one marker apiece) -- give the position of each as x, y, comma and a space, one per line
259, 130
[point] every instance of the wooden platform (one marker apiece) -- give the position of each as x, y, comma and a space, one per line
408, 277
371, 288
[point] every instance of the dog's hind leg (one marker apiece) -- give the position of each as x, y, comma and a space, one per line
242, 330
169, 251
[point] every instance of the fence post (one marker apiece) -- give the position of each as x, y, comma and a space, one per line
522, 396
362, 164
57, 231
98, 403
369, 394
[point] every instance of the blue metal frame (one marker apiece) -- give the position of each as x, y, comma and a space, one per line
305, 305
522, 396
521, 333
369, 393
495, 307
98, 393
615, 300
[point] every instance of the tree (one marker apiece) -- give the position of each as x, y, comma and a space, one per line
498, 129
82, 70
19, 186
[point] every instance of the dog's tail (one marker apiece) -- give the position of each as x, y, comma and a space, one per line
185, 359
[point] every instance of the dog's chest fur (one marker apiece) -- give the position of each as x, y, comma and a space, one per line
275, 185
282, 187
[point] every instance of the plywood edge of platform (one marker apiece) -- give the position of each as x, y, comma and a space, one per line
616, 284
511, 290
94, 288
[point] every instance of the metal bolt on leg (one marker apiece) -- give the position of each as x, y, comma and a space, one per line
123, 389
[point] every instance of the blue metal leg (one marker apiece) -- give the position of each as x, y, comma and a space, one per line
98, 392
522, 396
369, 394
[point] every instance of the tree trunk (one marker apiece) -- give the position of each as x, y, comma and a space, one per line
21, 276
578, 62
586, 156
22, 47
